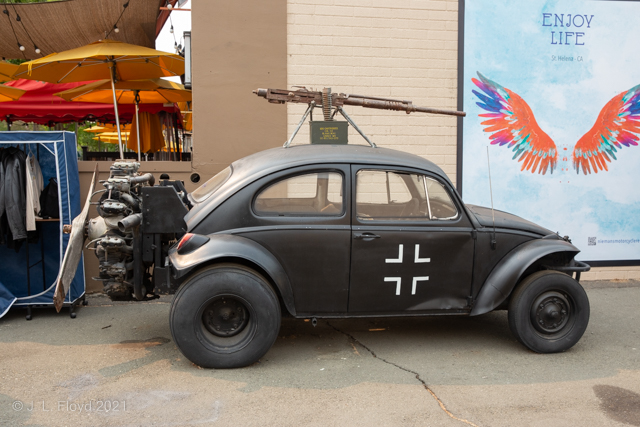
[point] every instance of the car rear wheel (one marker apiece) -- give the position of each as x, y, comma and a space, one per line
548, 312
225, 316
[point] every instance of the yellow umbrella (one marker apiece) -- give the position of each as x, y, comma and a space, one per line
111, 137
112, 134
107, 139
149, 91
8, 93
105, 59
107, 128
7, 70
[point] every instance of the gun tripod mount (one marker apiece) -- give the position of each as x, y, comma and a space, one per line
332, 103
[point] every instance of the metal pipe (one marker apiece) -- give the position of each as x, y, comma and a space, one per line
129, 222
112, 65
131, 201
137, 98
143, 178
312, 104
355, 126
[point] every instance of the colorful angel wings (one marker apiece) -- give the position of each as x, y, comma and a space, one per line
511, 121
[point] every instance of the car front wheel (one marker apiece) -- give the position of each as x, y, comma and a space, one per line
225, 316
548, 312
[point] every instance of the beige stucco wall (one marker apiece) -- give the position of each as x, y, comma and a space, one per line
237, 46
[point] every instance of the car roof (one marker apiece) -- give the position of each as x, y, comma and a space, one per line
257, 165
298, 155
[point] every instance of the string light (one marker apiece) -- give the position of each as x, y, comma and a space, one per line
171, 30
36, 49
115, 28
6, 12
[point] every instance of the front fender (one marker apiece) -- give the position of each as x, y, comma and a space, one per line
505, 275
226, 246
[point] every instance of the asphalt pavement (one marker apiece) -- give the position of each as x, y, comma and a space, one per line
116, 365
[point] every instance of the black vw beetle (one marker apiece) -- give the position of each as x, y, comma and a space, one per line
353, 231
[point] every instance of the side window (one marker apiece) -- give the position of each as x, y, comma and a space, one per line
314, 194
394, 195
440, 204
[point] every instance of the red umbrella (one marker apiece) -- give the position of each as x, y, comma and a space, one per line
39, 105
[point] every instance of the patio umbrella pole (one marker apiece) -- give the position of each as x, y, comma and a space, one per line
115, 105
137, 98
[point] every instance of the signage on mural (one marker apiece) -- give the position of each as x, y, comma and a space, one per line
555, 94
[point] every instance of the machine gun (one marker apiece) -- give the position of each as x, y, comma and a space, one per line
332, 103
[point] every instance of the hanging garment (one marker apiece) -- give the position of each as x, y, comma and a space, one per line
34, 188
13, 162
49, 200
3, 217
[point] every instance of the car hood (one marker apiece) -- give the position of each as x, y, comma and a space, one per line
506, 220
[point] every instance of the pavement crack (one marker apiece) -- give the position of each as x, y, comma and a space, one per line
353, 340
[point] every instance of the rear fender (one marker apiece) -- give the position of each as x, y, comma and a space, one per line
505, 275
226, 247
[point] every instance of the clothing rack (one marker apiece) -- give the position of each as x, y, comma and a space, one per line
21, 272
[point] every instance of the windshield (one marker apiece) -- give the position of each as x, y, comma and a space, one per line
209, 187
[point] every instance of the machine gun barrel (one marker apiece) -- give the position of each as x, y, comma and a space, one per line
303, 96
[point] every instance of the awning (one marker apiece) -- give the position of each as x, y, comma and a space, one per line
62, 25
40, 105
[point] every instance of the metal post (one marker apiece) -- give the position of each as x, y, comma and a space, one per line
312, 104
352, 123
137, 98
112, 64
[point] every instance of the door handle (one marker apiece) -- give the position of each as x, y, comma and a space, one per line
365, 236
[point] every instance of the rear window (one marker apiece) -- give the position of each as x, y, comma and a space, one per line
209, 187
314, 194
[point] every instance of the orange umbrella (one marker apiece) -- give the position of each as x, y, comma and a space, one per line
8, 93
105, 59
7, 70
148, 136
149, 91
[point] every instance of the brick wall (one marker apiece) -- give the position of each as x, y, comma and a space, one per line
403, 49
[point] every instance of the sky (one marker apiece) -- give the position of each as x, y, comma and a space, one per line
509, 43
181, 23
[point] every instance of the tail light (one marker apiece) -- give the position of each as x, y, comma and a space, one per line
190, 242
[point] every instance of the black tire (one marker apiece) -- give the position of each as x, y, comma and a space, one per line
548, 312
225, 316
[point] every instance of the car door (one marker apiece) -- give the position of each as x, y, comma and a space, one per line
411, 247
302, 216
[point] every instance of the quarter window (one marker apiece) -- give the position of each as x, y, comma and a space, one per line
212, 185
395, 195
314, 194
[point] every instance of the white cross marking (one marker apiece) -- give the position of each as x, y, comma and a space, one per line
396, 260
398, 280
415, 281
417, 258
